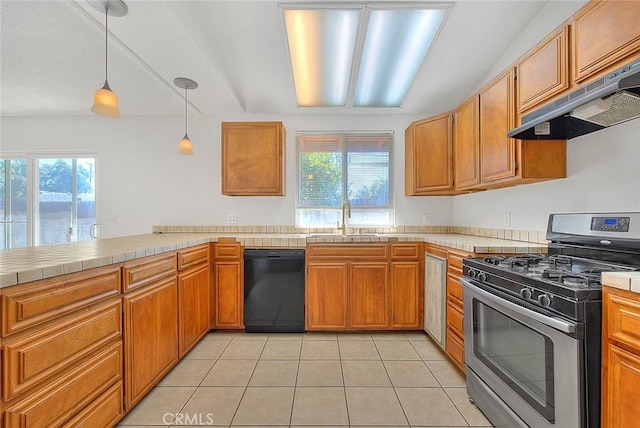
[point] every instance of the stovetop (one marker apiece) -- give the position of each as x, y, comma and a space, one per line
564, 271
554, 282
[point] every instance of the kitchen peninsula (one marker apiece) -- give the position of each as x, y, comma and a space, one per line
100, 309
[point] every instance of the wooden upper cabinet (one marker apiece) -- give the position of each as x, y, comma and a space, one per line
467, 144
429, 157
605, 35
253, 155
544, 72
497, 108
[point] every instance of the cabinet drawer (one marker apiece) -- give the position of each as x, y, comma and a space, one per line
455, 348
405, 251
455, 259
30, 304
623, 315
351, 251
436, 251
105, 411
454, 288
143, 271
455, 319
60, 400
227, 251
193, 256
30, 358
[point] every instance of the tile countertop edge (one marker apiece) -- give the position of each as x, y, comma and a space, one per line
629, 281
35, 263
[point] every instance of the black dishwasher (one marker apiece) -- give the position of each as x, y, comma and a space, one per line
274, 291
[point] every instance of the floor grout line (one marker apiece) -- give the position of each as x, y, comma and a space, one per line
341, 345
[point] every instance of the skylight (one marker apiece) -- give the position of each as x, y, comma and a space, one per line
358, 55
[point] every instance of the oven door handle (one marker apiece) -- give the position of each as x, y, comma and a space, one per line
554, 322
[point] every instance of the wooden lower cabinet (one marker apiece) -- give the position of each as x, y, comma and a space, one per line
194, 306
151, 336
620, 358
368, 295
61, 400
228, 286
406, 284
364, 287
62, 349
326, 295
455, 308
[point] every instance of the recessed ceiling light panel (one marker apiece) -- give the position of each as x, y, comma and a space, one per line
382, 45
395, 45
321, 44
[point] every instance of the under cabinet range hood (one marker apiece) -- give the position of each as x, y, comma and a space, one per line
612, 99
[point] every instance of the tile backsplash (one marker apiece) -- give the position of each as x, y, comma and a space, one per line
510, 234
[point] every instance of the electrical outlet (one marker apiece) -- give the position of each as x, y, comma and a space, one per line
507, 219
426, 219
111, 219
232, 218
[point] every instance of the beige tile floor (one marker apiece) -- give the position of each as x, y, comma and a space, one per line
312, 379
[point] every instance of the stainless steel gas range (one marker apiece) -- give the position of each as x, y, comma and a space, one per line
532, 322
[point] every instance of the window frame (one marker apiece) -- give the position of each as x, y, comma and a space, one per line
33, 182
342, 136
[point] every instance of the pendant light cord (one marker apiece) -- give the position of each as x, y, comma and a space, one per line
186, 123
106, 39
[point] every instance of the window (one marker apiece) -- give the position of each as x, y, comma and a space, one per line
46, 201
334, 167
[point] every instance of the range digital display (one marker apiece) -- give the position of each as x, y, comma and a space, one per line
610, 224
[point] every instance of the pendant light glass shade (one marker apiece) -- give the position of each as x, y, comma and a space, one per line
105, 101
185, 146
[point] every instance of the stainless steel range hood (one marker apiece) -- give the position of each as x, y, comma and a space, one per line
608, 101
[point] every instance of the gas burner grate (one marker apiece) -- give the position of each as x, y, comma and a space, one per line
524, 260
563, 277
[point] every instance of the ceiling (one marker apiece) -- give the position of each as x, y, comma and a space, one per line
52, 57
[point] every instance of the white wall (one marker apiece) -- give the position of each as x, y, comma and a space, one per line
603, 174
143, 181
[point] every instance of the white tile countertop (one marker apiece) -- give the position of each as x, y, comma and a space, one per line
629, 281
22, 265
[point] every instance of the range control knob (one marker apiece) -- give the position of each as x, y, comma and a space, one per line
525, 293
473, 273
544, 300
482, 277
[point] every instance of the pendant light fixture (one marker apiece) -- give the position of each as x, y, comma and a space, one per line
105, 102
185, 146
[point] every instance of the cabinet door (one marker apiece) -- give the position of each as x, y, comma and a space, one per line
326, 295
194, 306
621, 388
229, 296
405, 296
368, 295
429, 156
605, 36
497, 152
151, 336
544, 72
467, 145
253, 158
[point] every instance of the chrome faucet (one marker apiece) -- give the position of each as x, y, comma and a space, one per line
346, 206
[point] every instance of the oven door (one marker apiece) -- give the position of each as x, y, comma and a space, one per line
528, 361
